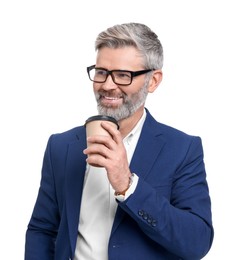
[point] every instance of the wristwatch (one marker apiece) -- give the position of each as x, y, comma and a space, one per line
121, 195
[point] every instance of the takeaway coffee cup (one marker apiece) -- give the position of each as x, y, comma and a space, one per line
93, 126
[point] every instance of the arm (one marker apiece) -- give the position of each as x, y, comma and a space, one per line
176, 214
43, 225
171, 205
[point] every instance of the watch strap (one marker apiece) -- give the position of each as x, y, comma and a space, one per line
120, 195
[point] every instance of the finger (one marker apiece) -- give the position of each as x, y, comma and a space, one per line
96, 148
115, 133
103, 140
96, 160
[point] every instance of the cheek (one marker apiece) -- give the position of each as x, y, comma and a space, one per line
96, 86
138, 83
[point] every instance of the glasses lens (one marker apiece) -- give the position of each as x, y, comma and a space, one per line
122, 77
98, 75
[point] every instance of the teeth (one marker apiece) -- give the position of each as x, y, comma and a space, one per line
111, 98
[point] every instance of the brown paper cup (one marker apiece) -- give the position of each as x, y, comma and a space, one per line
93, 126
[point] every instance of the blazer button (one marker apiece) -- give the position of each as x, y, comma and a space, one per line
154, 223
145, 216
141, 213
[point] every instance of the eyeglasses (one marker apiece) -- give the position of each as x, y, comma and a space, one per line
119, 77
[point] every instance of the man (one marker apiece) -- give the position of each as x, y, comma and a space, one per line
149, 198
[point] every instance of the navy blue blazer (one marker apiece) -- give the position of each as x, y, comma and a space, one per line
167, 217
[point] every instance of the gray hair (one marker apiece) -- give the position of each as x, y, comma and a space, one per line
137, 35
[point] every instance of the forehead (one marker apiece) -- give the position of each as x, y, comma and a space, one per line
126, 58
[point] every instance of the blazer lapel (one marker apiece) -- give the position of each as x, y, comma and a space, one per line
150, 144
75, 172
147, 150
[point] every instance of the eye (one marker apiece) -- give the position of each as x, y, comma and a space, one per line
100, 72
123, 75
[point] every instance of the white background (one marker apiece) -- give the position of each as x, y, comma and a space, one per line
45, 47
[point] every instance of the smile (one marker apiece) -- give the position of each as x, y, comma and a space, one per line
107, 100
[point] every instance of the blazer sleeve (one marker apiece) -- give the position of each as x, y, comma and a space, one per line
43, 226
176, 214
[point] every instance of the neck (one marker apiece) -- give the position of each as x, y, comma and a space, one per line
127, 124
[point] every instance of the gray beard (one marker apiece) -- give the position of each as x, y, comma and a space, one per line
129, 106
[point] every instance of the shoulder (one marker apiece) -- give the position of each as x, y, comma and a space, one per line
69, 136
177, 143
168, 133
162, 128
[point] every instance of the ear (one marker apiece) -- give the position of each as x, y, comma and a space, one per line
155, 80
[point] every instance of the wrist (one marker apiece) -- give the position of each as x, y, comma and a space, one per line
121, 194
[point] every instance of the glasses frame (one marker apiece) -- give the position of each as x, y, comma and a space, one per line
110, 72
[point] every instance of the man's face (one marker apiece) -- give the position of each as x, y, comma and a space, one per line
120, 101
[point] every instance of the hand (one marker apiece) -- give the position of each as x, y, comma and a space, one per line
109, 152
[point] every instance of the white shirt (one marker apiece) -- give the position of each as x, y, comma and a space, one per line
98, 205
